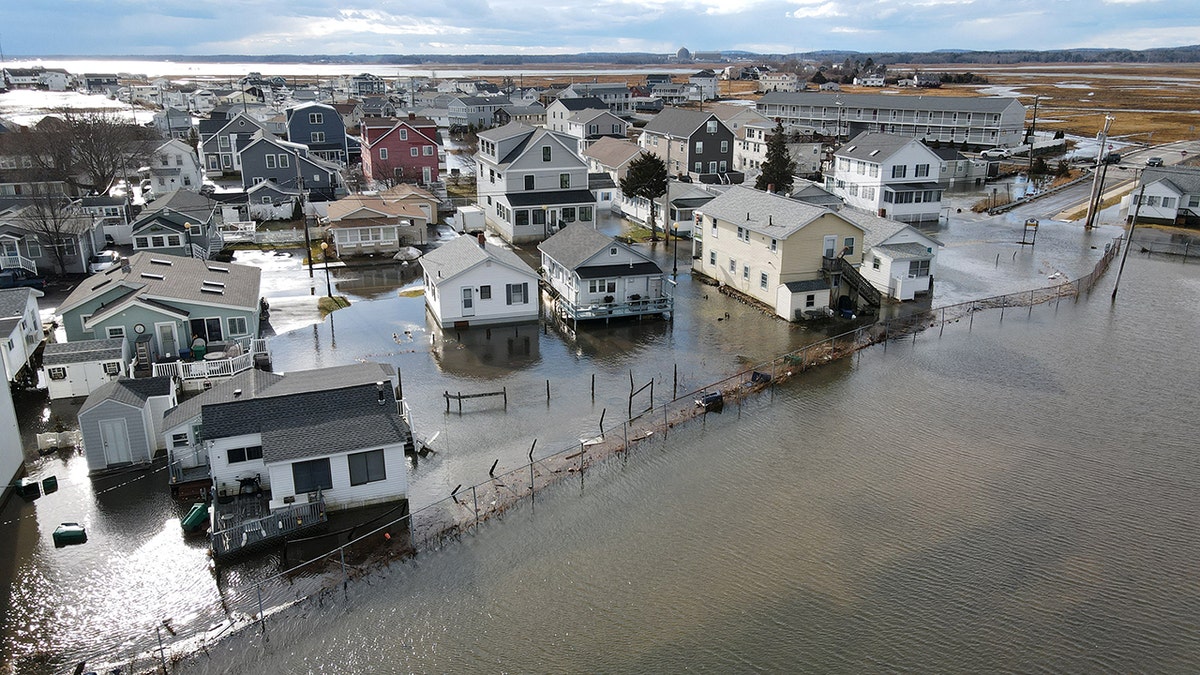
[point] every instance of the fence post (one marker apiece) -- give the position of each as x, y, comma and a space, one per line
262, 618
582, 450
532, 488
1030, 303
345, 579
162, 659
475, 500
942, 329
1002, 304
625, 435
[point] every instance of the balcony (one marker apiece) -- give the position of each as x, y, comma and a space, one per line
245, 522
613, 310
219, 362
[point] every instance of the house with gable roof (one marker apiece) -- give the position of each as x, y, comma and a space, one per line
561, 109
175, 166
221, 142
179, 223
616, 96
774, 250
1172, 196
589, 126
471, 282
265, 157
530, 182
593, 276
320, 128
20, 332
162, 304
898, 259
78, 368
611, 156
121, 422
693, 143
32, 235
894, 176
370, 224
401, 150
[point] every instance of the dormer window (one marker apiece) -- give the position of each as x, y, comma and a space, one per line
712, 126
545, 153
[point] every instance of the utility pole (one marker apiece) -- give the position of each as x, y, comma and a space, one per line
304, 216
1032, 133
1097, 180
1128, 241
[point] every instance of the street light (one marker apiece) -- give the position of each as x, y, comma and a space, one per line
675, 253
325, 257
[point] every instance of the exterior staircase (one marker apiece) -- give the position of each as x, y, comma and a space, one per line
836, 270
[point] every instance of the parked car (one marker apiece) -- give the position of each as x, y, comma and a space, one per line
103, 260
994, 153
21, 278
1112, 158
1154, 161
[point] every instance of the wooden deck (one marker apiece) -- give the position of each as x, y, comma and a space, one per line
246, 523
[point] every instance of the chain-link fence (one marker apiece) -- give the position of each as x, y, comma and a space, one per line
324, 577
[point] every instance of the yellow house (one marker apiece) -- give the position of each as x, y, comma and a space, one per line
777, 251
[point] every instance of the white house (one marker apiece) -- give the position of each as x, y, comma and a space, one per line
777, 251
530, 182
589, 126
705, 84
897, 259
78, 368
778, 82
175, 165
896, 176
1172, 195
20, 331
471, 282
12, 454
334, 431
593, 276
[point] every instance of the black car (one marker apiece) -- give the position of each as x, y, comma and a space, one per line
21, 278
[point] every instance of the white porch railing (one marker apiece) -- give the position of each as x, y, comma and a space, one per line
206, 368
17, 261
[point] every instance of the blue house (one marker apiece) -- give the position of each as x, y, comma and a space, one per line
319, 127
181, 223
291, 167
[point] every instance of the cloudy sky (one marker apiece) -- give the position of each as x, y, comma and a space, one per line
150, 27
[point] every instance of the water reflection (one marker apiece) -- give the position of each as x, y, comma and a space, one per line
484, 352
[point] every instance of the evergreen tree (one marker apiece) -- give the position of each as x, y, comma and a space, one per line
779, 169
646, 178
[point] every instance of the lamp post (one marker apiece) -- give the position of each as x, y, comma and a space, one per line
325, 258
675, 253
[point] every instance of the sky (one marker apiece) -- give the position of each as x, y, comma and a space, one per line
200, 27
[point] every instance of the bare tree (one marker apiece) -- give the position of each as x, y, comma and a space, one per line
56, 222
89, 149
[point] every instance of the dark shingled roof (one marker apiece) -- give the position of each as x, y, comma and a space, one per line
805, 286
64, 353
519, 199
13, 301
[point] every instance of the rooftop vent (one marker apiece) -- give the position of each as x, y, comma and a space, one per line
219, 284
209, 289
147, 275
101, 284
160, 261
874, 152
213, 268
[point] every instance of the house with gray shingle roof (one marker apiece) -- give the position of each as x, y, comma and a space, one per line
163, 303
471, 282
895, 176
1172, 196
897, 258
774, 250
78, 368
593, 276
121, 422
338, 431
693, 143
20, 331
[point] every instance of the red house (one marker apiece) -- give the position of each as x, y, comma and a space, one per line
400, 150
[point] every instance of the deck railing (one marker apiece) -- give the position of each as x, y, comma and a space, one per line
200, 369
17, 262
611, 310
275, 526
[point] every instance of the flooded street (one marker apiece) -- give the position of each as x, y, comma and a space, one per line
138, 570
990, 499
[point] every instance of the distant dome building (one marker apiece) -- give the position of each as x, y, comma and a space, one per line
683, 54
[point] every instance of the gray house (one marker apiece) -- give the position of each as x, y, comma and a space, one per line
290, 166
180, 223
121, 422
693, 143
221, 143
320, 128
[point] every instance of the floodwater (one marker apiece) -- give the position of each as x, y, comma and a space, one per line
1016, 494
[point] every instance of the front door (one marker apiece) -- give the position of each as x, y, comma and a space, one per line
552, 221
167, 341
114, 438
831, 246
468, 297
426, 175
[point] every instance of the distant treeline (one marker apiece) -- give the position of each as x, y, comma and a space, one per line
1188, 54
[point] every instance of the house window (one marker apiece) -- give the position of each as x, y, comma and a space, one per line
585, 214
270, 161
699, 147
312, 475
237, 455
316, 118
284, 162
745, 273
762, 281
899, 171
427, 150
209, 329
810, 300
179, 440
485, 292
112, 368
404, 134
774, 245
529, 182
57, 373
564, 180
875, 263
366, 467
699, 167
237, 325
383, 154
918, 268
318, 137
712, 257
711, 126
173, 240
922, 171
724, 146
414, 151
568, 214
223, 142
516, 294
732, 266
522, 217
115, 332
848, 243
32, 247
545, 153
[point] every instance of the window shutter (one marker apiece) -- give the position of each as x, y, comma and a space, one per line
508, 294
525, 292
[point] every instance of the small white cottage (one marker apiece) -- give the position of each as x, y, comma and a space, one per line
471, 282
73, 369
